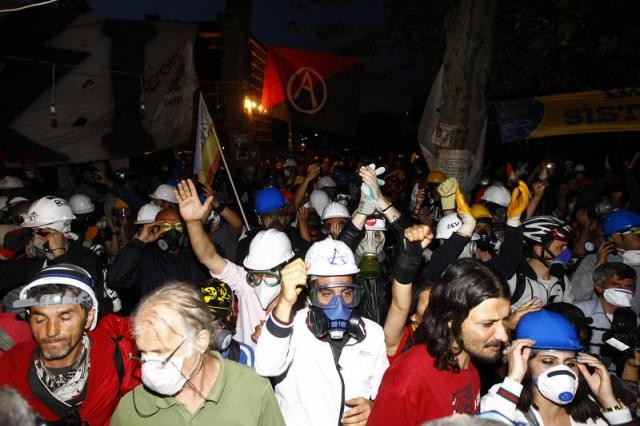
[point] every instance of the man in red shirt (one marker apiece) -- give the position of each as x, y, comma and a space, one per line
73, 371
465, 320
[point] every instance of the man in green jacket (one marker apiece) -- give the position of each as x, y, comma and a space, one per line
184, 382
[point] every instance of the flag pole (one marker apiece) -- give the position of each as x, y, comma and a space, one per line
233, 186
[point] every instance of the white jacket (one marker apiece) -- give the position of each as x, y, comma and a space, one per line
309, 388
250, 312
503, 398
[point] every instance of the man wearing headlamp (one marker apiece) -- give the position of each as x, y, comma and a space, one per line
329, 358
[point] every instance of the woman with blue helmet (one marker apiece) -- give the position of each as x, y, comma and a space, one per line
551, 382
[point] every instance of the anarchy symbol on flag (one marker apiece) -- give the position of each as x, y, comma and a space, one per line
310, 81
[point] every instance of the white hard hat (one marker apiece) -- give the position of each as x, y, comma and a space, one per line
81, 204
3, 202
374, 223
267, 250
290, 162
447, 226
15, 200
579, 168
334, 210
326, 182
164, 192
11, 182
330, 257
49, 212
319, 200
497, 194
147, 214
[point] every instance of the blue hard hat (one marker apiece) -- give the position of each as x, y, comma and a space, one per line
549, 330
620, 221
268, 200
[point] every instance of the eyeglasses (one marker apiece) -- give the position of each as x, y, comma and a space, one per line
166, 226
269, 277
164, 361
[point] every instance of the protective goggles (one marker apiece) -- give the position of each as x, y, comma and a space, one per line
632, 231
323, 296
270, 278
166, 226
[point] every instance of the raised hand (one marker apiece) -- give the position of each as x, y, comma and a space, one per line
191, 209
420, 233
517, 357
519, 201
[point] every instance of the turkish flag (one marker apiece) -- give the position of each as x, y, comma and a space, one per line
312, 89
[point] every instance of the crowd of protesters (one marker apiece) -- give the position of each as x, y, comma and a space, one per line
353, 292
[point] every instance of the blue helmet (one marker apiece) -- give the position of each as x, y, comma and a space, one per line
268, 200
549, 330
620, 221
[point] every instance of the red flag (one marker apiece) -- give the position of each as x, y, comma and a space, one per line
312, 89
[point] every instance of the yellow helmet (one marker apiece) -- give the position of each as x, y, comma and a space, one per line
436, 177
479, 211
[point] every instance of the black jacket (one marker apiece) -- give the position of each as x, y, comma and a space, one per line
140, 268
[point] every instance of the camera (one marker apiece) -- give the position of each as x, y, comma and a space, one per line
624, 334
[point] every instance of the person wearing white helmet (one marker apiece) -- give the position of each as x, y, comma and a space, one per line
11, 182
147, 214
326, 344
328, 185
497, 198
75, 369
53, 242
164, 196
334, 217
257, 282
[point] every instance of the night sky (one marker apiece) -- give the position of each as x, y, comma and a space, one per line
270, 24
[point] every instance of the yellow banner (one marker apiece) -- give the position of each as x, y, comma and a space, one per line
570, 113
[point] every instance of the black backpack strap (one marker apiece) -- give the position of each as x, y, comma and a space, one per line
117, 359
521, 284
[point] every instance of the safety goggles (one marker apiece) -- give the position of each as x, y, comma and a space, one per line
324, 296
632, 231
166, 226
269, 277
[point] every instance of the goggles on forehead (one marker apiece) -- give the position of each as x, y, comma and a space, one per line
324, 296
167, 226
270, 277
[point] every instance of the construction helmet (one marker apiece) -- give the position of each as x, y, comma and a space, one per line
330, 257
267, 250
375, 223
165, 192
447, 226
269, 200
542, 229
3, 202
326, 182
436, 177
620, 221
537, 326
11, 182
479, 211
497, 194
65, 274
147, 214
217, 295
49, 212
335, 210
319, 200
81, 204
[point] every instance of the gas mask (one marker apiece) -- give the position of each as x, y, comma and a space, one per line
618, 297
558, 266
370, 251
221, 335
486, 241
335, 317
558, 384
173, 237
